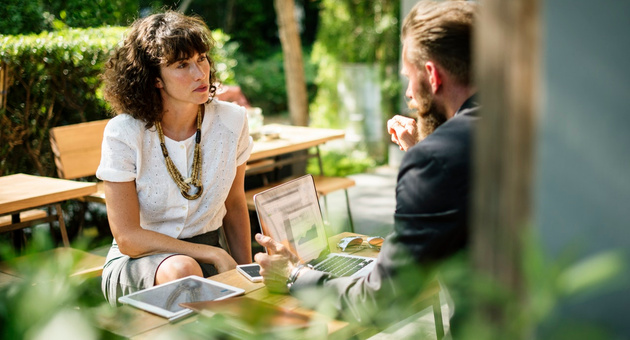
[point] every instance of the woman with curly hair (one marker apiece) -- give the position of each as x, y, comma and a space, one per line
173, 160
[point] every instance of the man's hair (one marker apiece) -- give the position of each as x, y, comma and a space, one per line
131, 73
441, 31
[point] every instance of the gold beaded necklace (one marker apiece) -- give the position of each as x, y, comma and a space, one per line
195, 176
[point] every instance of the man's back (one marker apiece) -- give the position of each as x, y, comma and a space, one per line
433, 188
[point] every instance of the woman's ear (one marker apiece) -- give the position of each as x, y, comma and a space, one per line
435, 78
158, 83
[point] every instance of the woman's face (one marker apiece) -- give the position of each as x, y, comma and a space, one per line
185, 81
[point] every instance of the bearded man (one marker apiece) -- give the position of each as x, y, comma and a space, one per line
432, 191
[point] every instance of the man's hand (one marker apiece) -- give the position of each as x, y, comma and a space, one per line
404, 131
275, 268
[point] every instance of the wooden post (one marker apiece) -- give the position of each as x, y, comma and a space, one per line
4, 88
293, 64
507, 67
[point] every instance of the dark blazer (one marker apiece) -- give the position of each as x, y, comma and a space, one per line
430, 223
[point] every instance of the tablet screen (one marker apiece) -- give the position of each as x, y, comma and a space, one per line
164, 299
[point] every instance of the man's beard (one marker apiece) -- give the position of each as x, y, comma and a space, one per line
430, 114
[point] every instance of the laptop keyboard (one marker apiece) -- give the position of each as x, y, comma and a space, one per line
341, 265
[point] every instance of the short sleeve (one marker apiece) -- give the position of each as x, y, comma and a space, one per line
245, 144
118, 152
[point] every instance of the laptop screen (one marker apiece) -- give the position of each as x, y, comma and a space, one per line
290, 213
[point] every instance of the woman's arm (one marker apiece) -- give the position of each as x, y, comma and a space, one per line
236, 220
123, 213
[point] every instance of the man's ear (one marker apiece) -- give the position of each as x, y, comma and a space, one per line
158, 83
435, 77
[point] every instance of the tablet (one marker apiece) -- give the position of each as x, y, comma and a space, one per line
164, 299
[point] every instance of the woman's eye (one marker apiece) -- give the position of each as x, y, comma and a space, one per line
203, 58
182, 65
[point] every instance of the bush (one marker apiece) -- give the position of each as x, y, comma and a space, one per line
262, 81
341, 163
25, 17
35, 16
93, 13
52, 79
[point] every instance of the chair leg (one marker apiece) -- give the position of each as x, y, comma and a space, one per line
62, 226
437, 316
19, 238
349, 213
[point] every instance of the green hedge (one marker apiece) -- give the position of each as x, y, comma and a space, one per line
52, 79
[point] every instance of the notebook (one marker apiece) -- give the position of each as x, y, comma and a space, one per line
290, 214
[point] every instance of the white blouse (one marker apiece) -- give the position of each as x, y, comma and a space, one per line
131, 152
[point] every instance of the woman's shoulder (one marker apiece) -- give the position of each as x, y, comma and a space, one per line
124, 120
124, 125
227, 107
230, 114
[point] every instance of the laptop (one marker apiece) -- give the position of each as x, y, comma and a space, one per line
290, 214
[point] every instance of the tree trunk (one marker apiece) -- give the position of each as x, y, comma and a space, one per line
293, 64
507, 47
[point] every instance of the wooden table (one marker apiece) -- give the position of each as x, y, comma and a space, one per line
21, 192
291, 139
134, 323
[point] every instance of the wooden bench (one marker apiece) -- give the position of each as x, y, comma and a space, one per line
25, 216
77, 151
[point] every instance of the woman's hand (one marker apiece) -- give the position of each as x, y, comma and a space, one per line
223, 261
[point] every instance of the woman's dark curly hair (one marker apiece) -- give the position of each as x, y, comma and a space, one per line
131, 72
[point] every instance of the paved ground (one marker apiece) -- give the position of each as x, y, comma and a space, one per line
372, 203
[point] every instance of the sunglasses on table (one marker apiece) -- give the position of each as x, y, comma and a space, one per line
353, 243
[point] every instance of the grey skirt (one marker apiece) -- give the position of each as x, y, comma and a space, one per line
123, 275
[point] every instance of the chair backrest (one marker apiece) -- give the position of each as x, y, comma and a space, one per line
77, 148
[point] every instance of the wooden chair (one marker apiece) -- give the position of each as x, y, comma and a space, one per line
77, 151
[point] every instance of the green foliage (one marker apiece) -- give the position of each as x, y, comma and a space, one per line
251, 23
21, 17
35, 16
53, 78
46, 299
93, 13
263, 82
223, 57
341, 163
355, 32
359, 31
